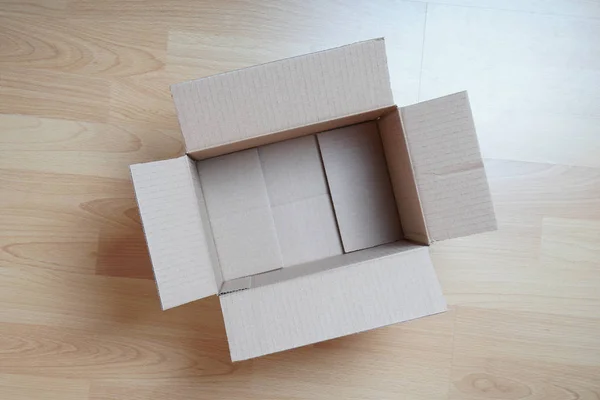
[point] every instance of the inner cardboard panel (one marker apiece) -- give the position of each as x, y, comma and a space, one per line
291, 133
342, 260
300, 202
240, 215
312, 203
360, 186
402, 177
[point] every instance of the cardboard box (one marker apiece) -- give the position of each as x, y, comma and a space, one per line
307, 199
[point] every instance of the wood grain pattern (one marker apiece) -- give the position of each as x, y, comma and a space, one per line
84, 93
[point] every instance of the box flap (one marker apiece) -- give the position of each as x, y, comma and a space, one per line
283, 95
174, 217
360, 186
304, 218
240, 214
331, 303
448, 168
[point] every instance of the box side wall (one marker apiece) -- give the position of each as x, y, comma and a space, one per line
402, 178
205, 220
330, 304
325, 264
180, 248
275, 137
283, 95
448, 167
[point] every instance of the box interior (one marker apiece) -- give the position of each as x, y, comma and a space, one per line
320, 200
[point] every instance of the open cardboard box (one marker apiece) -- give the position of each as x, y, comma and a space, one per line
307, 199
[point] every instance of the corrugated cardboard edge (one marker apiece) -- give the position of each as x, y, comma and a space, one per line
179, 248
330, 304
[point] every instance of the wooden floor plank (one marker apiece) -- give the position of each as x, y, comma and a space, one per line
84, 93
26, 387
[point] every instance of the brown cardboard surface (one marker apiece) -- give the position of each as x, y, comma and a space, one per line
283, 95
307, 230
240, 214
237, 284
329, 263
179, 240
300, 202
293, 170
231, 223
233, 183
205, 221
402, 177
448, 168
330, 304
287, 134
247, 243
360, 186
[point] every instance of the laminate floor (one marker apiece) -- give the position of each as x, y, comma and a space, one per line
84, 94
